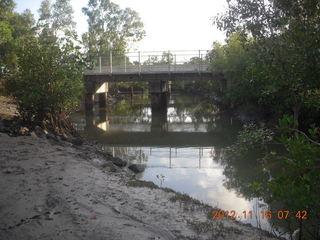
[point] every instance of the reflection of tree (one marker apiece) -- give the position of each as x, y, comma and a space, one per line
137, 113
243, 172
250, 174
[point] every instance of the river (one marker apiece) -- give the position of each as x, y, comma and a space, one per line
182, 145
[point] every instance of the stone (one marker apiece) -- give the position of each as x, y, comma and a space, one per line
109, 167
39, 132
76, 141
3, 127
64, 137
33, 134
51, 136
24, 131
137, 168
118, 162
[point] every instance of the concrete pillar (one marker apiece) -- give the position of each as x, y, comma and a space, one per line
158, 86
159, 106
88, 102
102, 99
159, 121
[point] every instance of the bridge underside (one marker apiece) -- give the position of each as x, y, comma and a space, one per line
148, 77
159, 82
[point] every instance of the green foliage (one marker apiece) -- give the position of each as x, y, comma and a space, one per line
6, 9
270, 58
250, 138
110, 27
5, 33
48, 81
298, 184
293, 181
246, 170
63, 22
14, 29
165, 58
42, 71
56, 21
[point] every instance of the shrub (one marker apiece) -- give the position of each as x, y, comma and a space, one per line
47, 83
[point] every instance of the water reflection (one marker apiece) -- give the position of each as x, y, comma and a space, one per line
182, 139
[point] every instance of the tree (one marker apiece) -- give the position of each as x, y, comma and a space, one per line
6, 9
42, 72
45, 16
14, 28
111, 28
56, 21
63, 18
285, 35
47, 84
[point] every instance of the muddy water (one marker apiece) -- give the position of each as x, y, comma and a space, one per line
182, 145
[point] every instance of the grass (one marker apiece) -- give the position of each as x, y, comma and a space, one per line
147, 184
215, 229
184, 198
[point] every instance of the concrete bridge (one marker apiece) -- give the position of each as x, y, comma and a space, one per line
159, 69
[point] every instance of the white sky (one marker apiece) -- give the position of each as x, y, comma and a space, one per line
169, 24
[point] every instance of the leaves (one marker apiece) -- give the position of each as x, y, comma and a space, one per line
110, 27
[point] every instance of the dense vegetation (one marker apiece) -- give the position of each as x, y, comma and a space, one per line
42, 61
271, 67
271, 57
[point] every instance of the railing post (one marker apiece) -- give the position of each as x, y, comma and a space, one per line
168, 60
100, 63
199, 60
125, 63
139, 62
110, 61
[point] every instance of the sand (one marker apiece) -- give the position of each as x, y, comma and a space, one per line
57, 190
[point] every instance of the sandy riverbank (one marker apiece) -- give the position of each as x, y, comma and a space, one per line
54, 189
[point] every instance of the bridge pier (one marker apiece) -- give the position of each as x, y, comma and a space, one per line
159, 108
159, 86
159, 91
95, 89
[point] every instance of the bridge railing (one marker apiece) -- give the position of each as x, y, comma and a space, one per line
155, 61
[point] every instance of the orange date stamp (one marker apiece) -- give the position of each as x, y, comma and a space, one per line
264, 214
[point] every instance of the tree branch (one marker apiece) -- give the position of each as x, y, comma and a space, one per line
305, 135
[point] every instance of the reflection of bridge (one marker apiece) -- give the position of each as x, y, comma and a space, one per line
177, 158
157, 138
157, 69
157, 131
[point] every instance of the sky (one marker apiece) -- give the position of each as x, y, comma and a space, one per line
169, 24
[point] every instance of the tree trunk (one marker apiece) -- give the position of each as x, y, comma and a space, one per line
296, 112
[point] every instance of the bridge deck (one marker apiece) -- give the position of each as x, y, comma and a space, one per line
155, 69
150, 73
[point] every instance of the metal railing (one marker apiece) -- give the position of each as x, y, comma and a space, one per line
153, 61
